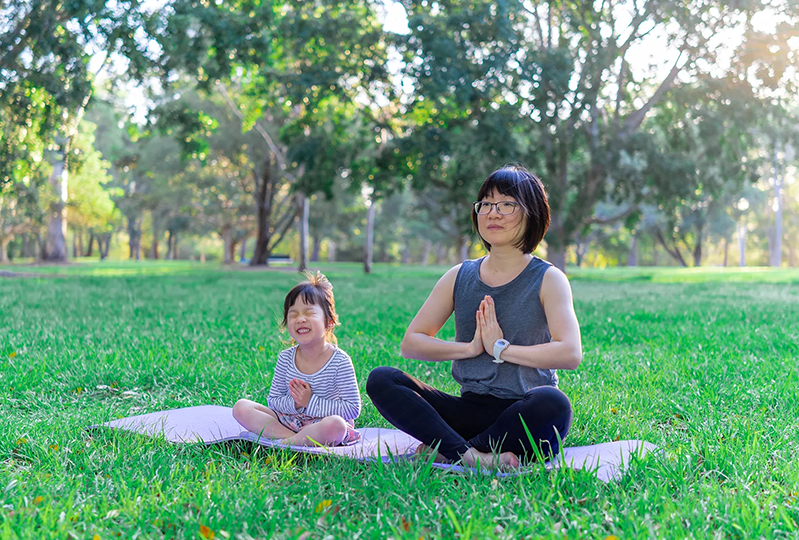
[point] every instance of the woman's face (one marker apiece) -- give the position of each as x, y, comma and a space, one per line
500, 229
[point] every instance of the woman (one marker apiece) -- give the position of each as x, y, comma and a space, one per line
515, 326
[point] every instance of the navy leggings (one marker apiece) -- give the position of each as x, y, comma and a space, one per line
485, 422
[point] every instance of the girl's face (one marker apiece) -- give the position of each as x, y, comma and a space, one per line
306, 322
500, 229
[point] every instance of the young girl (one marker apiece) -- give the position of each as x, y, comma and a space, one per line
314, 396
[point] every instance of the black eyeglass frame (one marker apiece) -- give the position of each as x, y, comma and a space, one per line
495, 205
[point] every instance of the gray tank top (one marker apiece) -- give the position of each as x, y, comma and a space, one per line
522, 319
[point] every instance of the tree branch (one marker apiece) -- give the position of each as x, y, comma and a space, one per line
282, 228
612, 219
261, 131
635, 119
675, 252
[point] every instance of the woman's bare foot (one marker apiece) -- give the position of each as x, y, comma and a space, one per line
506, 461
424, 450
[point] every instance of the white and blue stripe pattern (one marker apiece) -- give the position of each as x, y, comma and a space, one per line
334, 387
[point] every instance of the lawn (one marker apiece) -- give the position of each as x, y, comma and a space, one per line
701, 363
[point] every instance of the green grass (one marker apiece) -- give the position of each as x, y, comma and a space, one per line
703, 364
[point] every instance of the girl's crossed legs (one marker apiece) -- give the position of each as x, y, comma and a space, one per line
474, 425
328, 431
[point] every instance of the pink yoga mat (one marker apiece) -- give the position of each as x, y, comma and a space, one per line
210, 424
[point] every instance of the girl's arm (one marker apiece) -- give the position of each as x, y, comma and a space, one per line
420, 341
280, 399
348, 403
565, 349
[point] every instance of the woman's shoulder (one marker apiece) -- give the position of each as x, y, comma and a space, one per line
555, 283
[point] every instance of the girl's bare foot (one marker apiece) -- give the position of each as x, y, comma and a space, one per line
506, 461
424, 450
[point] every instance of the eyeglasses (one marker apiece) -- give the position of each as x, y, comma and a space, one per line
504, 208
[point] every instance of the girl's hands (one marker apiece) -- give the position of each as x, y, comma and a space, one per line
300, 392
487, 324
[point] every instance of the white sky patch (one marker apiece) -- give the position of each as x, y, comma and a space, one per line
394, 18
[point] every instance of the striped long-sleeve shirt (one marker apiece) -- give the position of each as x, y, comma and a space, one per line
334, 388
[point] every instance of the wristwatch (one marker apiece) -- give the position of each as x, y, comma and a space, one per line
499, 346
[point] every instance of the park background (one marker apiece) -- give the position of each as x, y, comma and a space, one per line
664, 132
158, 160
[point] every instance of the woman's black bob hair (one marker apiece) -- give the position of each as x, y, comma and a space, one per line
517, 182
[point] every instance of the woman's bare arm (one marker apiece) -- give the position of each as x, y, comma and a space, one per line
420, 342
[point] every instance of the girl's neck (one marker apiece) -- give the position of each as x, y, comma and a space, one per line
315, 351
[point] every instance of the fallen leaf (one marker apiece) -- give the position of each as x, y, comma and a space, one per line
38, 499
611, 537
405, 524
96, 537
206, 532
12, 354
54, 447
322, 505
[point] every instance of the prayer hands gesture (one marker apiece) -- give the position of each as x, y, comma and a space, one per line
488, 330
300, 392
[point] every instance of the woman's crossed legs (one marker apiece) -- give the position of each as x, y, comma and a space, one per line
472, 426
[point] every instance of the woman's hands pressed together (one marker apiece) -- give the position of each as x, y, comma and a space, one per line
487, 331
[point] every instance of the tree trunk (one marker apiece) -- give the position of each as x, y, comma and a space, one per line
4, 249
741, 244
557, 257
26, 246
775, 253
243, 252
134, 235
316, 247
406, 255
463, 248
175, 255
698, 251
726, 251
370, 238
170, 255
331, 251
90, 246
75, 252
154, 254
441, 253
263, 202
428, 248
632, 258
56, 246
228, 248
104, 250
41, 245
304, 209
